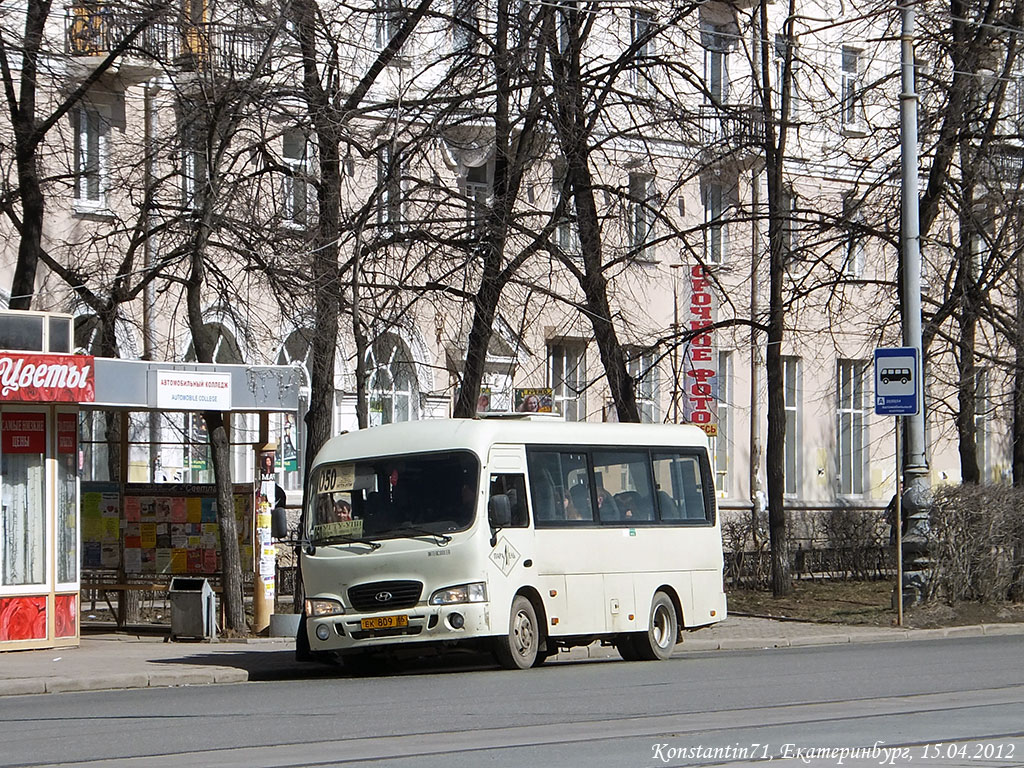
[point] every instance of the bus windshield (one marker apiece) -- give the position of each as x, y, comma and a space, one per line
393, 497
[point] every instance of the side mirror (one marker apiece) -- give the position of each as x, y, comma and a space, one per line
499, 511
279, 523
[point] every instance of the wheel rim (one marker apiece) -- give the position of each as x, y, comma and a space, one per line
661, 626
523, 634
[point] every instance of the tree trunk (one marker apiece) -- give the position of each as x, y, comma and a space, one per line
231, 560
574, 134
775, 449
1018, 383
967, 433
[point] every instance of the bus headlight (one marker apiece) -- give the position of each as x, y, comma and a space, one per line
322, 606
463, 593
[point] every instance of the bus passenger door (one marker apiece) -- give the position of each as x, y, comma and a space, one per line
512, 553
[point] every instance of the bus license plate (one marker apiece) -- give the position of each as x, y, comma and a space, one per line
385, 622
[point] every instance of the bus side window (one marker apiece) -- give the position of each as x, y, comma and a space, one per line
513, 486
693, 493
680, 490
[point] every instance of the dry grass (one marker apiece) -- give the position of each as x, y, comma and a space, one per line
863, 602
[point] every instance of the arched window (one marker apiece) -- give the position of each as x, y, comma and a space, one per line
225, 347
288, 429
394, 395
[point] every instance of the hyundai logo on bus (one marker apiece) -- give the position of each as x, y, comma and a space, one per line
382, 597
896, 381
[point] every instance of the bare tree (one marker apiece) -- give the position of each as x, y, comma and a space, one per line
24, 56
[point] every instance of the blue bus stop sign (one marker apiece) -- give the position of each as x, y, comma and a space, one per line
897, 381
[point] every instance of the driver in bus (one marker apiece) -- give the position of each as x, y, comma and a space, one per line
342, 510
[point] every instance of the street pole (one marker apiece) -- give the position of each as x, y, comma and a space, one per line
898, 525
917, 494
264, 586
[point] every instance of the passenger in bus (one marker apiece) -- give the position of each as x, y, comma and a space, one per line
577, 504
607, 509
633, 506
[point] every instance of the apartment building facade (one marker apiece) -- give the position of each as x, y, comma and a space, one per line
194, 161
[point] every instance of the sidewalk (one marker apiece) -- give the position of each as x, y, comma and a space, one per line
107, 661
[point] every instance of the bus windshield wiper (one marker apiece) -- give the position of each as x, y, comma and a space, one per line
439, 538
342, 538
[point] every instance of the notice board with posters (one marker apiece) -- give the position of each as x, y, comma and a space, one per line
159, 528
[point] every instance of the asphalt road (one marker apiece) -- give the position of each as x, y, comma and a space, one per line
944, 703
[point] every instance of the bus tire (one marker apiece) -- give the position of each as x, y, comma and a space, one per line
626, 647
658, 642
519, 648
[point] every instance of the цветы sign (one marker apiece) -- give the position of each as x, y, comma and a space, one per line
28, 377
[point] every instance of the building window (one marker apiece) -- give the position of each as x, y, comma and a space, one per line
779, 62
90, 158
478, 195
640, 25
565, 16
723, 406
22, 512
714, 223
394, 393
295, 184
852, 105
567, 378
567, 233
852, 411
389, 187
791, 398
390, 15
716, 43
982, 408
194, 172
641, 214
641, 366
465, 24
854, 257
1015, 102
790, 241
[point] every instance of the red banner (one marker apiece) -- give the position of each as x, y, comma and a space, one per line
23, 433
26, 377
67, 433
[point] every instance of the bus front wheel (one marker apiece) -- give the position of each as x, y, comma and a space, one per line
659, 640
519, 648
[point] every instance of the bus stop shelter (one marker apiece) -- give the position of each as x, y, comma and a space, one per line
54, 528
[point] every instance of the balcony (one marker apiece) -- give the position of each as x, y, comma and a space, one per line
92, 33
731, 131
217, 49
1004, 168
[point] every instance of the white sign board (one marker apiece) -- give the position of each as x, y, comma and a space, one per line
185, 391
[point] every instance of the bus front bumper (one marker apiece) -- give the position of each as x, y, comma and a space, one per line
422, 624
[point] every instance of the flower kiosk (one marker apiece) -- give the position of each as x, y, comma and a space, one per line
41, 386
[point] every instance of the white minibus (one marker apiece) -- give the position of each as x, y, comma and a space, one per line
521, 535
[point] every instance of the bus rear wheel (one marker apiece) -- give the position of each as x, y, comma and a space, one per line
659, 640
519, 648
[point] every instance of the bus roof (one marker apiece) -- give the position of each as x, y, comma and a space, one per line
478, 435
